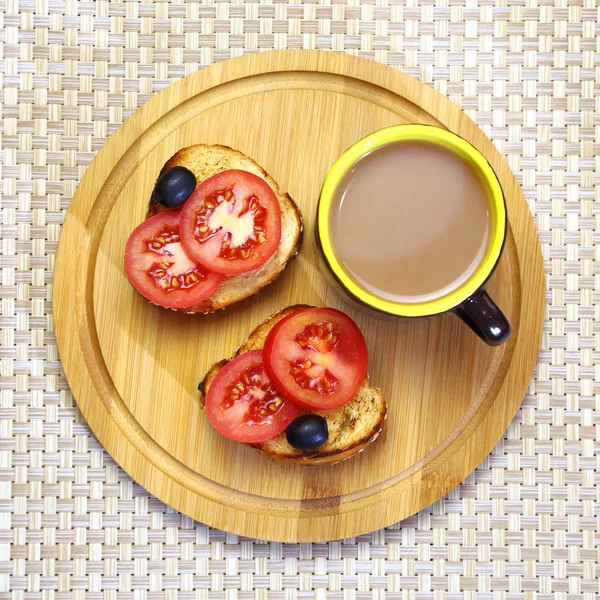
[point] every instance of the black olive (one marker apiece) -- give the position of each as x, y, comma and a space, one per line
174, 187
307, 432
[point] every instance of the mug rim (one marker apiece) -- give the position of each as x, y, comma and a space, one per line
454, 143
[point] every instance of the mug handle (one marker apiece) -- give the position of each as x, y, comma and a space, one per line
483, 316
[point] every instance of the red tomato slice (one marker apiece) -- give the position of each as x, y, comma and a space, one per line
242, 404
231, 224
317, 357
159, 269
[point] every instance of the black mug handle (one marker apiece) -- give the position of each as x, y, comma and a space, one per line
481, 314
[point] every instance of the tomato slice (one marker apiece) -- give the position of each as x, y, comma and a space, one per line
159, 269
242, 404
231, 224
317, 357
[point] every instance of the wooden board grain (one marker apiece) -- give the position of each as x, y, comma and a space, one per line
133, 367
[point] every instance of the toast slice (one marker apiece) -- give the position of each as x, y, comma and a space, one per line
351, 427
204, 161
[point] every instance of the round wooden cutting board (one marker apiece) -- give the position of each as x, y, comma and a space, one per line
134, 367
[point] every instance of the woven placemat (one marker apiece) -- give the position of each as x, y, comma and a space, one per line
525, 524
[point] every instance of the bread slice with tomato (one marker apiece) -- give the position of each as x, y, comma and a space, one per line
205, 162
351, 427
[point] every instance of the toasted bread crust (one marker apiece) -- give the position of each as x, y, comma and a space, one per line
207, 160
367, 399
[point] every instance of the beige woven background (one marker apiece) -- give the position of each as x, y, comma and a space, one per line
525, 524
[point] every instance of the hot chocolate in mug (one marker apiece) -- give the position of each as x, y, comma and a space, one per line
412, 222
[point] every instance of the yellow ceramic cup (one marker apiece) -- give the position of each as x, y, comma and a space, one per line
469, 300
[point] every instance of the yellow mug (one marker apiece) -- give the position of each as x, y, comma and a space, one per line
469, 300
